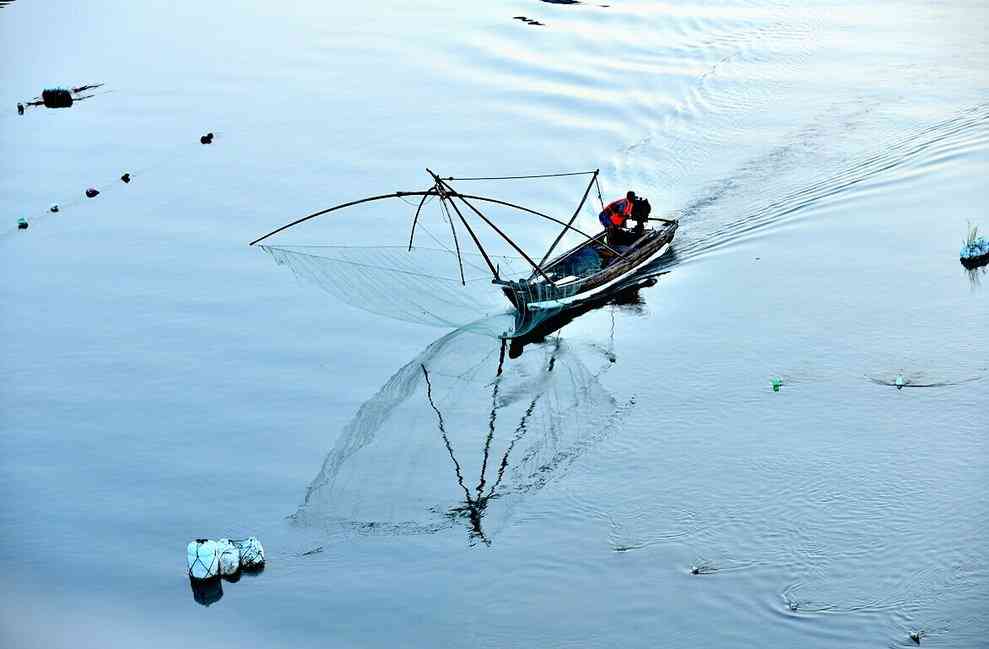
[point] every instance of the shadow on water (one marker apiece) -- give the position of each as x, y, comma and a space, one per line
530, 415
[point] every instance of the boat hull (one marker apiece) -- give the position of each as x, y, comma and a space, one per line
537, 297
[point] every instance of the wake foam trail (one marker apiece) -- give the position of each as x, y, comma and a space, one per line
703, 232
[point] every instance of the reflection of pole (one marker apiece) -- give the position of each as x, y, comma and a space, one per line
522, 428
491, 421
474, 507
446, 440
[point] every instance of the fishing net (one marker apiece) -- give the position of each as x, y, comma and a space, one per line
460, 436
449, 281
422, 285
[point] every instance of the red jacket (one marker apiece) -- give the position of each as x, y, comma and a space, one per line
616, 213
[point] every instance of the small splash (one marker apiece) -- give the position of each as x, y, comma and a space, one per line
902, 380
703, 569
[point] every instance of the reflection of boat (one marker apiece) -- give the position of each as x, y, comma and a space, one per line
537, 290
526, 416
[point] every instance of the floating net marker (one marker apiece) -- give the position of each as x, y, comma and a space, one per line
54, 208
777, 383
229, 557
92, 192
899, 381
56, 98
22, 224
204, 559
251, 553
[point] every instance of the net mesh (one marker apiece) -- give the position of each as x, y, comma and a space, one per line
423, 285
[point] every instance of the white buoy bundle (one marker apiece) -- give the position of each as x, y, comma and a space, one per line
209, 559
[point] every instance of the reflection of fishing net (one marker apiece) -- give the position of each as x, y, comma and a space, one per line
448, 441
422, 285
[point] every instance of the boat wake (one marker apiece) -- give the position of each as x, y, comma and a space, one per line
704, 229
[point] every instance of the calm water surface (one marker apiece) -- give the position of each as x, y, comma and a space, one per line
164, 381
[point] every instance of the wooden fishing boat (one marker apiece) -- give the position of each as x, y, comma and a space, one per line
574, 280
602, 262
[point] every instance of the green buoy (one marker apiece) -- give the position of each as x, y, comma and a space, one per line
777, 383
22, 224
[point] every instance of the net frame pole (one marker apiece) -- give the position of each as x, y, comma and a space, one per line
415, 220
334, 208
473, 236
494, 227
456, 242
540, 214
573, 218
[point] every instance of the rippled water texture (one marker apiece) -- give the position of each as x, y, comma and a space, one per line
632, 480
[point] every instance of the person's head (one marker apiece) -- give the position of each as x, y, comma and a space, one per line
630, 195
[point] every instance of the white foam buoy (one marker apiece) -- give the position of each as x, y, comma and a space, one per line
204, 559
251, 552
229, 557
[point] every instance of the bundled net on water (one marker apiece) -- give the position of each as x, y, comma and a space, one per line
56, 98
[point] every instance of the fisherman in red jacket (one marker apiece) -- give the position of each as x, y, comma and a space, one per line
614, 216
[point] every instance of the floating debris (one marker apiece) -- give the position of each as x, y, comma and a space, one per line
529, 21
206, 139
125, 178
975, 249
22, 224
54, 208
20, 108
92, 193
916, 636
777, 383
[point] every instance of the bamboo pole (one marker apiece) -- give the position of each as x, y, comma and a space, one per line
494, 227
456, 242
572, 219
412, 234
337, 207
477, 242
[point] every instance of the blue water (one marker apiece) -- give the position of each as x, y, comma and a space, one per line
164, 381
